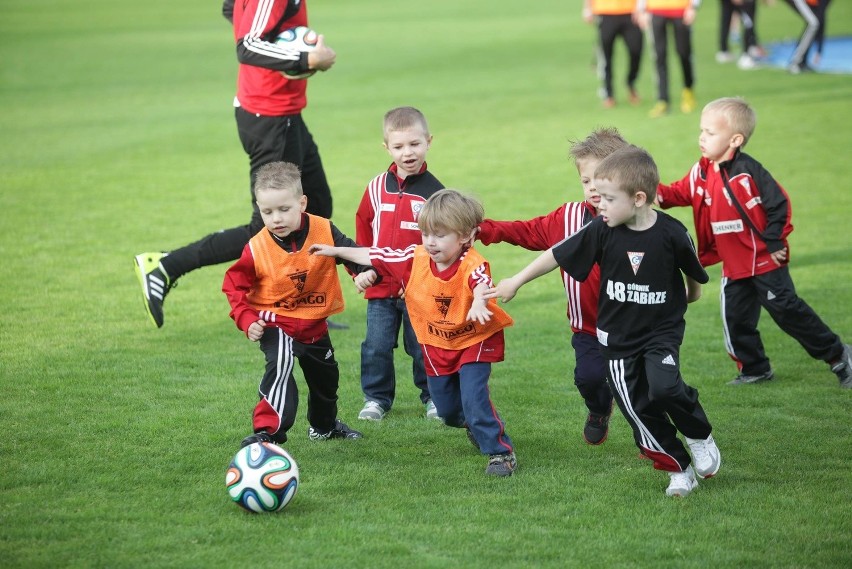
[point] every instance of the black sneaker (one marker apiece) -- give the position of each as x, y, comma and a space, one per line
743, 379
843, 367
258, 437
340, 431
501, 464
155, 285
596, 429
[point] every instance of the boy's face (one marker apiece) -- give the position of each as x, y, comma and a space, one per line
281, 210
586, 169
408, 149
717, 141
616, 207
444, 247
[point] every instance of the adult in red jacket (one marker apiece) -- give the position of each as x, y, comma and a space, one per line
268, 108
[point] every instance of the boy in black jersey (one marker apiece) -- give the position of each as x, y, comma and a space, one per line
641, 253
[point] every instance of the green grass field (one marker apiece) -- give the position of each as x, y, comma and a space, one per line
118, 137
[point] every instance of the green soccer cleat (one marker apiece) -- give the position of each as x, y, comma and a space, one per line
155, 284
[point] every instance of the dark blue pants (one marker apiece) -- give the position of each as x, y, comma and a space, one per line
463, 398
590, 373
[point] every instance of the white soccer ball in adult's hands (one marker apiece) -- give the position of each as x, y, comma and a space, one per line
301, 38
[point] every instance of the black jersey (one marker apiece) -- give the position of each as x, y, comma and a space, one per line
642, 294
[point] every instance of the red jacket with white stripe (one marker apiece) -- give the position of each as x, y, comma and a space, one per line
261, 87
540, 234
387, 218
721, 232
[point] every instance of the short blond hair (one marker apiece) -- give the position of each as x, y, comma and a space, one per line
740, 116
632, 169
451, 211
279, 176
402, 118
599, 144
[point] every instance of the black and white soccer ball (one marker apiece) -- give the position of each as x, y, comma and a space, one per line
262, 477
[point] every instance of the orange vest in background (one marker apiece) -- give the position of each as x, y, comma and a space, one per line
438, 308
667, 5
613, 7
296, 285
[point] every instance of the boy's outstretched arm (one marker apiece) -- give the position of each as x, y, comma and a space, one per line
693, 289
359, 255
508, 288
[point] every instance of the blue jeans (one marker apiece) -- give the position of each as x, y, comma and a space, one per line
385, 316
463, 399
590, 373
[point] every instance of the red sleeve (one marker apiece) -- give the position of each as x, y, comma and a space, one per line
677, 193
364, 221
481, 275
536, 234
238, 281
396, 263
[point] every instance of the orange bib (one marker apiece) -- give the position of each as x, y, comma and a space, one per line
668, 4
296, 285
618, 7
438, 308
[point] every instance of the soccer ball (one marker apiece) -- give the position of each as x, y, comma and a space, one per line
262, 477
301, 38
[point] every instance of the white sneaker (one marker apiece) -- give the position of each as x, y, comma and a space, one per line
724, 57
746, 62
682, 483
705, 456
431, 411
372, 411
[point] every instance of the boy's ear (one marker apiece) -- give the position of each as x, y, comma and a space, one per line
640, 198
472, 236
737, 140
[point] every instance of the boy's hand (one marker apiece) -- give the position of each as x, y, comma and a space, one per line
322, 250
255, 330
780, 256
364, 280
504, 290
479, 311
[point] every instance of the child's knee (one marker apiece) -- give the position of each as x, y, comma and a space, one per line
453, 419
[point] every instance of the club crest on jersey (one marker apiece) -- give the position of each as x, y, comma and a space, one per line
635, 258
443, 304
416, 208
299, 279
